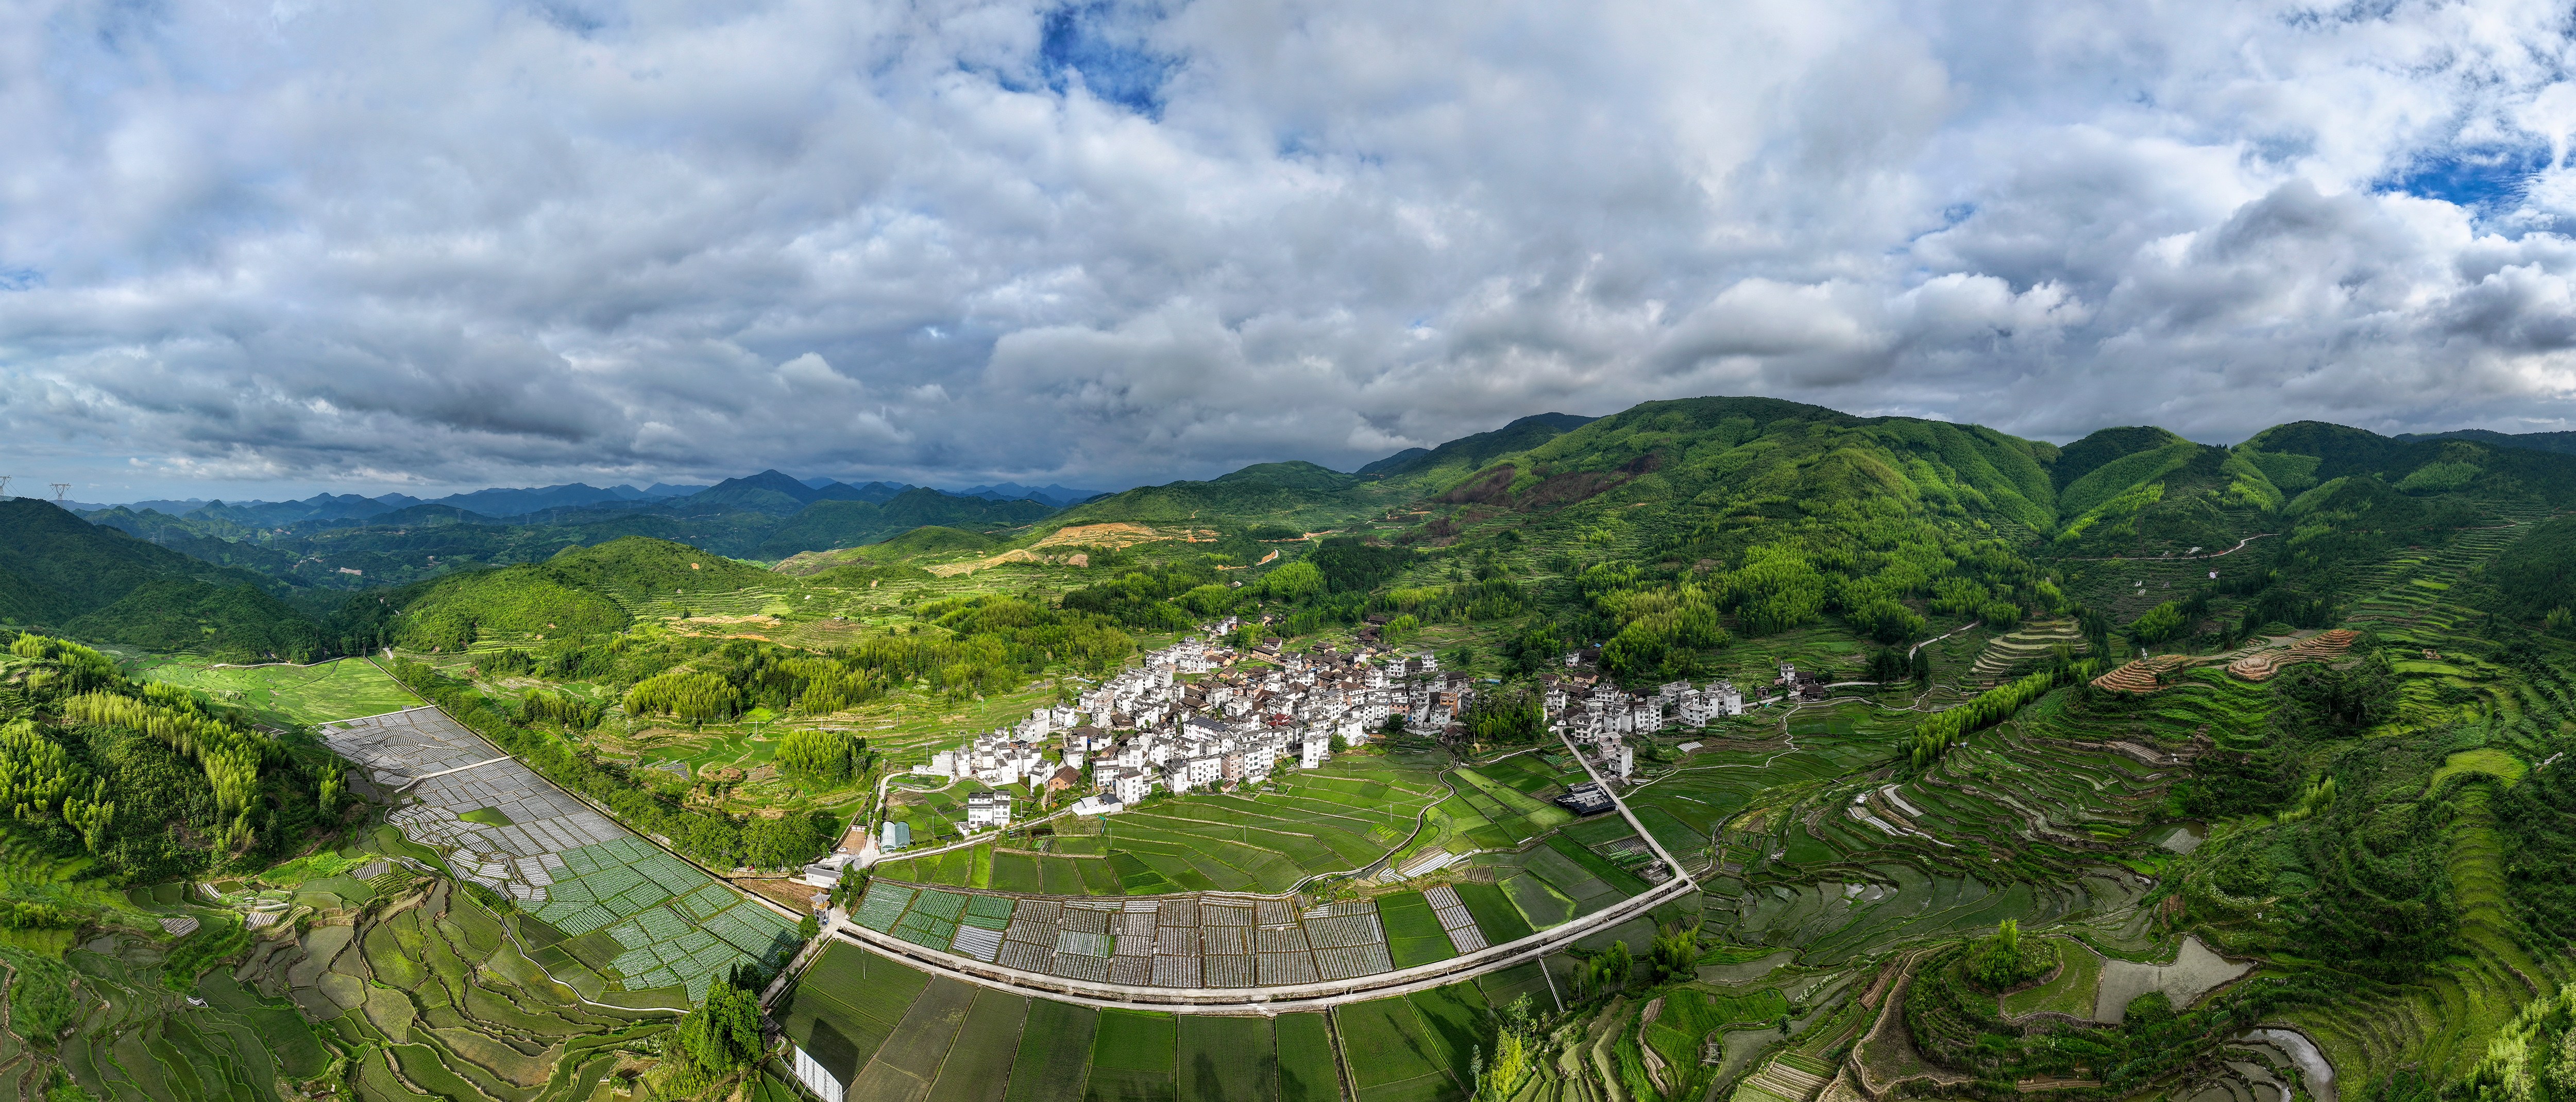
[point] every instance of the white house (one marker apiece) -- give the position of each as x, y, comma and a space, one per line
988, 809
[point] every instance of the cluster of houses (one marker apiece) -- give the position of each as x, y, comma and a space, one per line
1189, 717
1147, 729
1597, 713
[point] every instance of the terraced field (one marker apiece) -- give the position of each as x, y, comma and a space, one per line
415, 987
2007, 654
652, 920
886, 1031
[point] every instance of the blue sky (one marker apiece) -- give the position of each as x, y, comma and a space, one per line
269, 249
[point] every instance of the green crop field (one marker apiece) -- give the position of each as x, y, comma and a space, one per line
1223, 1059
1308, 1071
1385, 1043
2070, 992
978, 1064
1054, 1057
1495, 915
345, 689
1413, 933
1132, 1056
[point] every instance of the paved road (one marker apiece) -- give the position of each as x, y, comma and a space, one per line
1679, 876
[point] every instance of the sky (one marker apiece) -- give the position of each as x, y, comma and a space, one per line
264, 250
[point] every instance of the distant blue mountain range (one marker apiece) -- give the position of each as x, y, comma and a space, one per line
769, 491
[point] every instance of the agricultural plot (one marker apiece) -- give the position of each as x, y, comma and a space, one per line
1341, 818
1132, 1055
321, 693
884, 1030
1392, 1053
1415, 933
500, 826
2194, 971
2022, 821
1308, 1070
1188, 941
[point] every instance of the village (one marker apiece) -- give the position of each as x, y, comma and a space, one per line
1201, 715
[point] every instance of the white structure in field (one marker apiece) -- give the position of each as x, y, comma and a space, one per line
988, 809
816, 1077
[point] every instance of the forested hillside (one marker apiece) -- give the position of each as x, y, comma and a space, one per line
59, 571
2099, 757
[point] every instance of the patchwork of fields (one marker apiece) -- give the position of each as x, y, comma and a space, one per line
499, 825
884, 1030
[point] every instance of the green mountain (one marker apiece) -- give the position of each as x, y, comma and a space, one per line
2563, 443
1467, 453
825, 525
580, 591
100, 583
1295, 494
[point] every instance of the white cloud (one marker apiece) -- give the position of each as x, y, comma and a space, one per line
345, 246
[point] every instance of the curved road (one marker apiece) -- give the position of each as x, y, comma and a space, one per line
1265, 1000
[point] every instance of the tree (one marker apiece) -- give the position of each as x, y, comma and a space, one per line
828, 756
1516, 1050
808, 927
722, 1035
1675, 955
1610, 969
2004, 960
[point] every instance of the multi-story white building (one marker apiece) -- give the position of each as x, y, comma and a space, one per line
987, 809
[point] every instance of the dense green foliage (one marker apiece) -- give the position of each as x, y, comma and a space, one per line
2005, 960
721, 1036
1936, 735
149, 780
825, 755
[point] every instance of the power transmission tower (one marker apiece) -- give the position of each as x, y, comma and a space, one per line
60, 488
4, 486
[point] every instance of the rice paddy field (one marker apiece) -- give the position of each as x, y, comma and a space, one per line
282, 694
887, 1031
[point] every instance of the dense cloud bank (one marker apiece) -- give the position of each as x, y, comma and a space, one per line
390, 246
